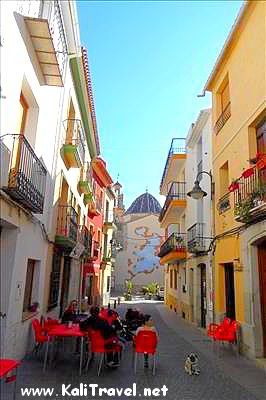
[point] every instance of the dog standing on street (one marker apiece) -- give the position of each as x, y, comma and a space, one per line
192, 364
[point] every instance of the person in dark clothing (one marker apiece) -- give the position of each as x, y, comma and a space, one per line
71, 312
95, 322
134, 319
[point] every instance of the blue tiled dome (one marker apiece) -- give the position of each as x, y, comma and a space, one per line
145, 204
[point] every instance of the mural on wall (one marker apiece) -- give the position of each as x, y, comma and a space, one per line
144, 259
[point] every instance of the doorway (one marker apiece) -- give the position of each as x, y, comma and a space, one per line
203, 300
229, 290
65, 285
89, 283
262, 281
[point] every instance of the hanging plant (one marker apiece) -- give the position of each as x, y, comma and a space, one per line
248, 172
242, 210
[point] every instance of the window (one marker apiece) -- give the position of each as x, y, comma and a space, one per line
224, 179
70, 122
105, 245
108, 284
225, 97
173, 228
99, 237
261, 138
28, 286
23, 112
106, 211
54, 281
223, 108
175, 279
171, 278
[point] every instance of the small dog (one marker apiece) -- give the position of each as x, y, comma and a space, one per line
192, 364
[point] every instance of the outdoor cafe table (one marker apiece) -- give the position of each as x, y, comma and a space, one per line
7, 366
63, 331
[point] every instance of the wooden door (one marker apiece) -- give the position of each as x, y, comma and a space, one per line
230, 290
262, 280
261, 138
261, 149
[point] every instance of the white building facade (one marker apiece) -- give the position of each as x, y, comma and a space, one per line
37, 95
199, 220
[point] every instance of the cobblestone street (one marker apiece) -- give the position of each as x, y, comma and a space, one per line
223, 378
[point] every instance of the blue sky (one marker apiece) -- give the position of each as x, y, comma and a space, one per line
149, 60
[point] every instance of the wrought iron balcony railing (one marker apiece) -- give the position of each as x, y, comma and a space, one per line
85, 237
75, 136
250, 194
67, 226
109, 217
99, 204
95, 249
177, 191
178, 146
221, 121
224, 203
26, 175
175, 242
196, 242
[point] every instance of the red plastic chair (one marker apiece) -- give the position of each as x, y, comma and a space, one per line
145, 343
98, 346
40, 335
8, 372
228, 331
49, 323
212, 328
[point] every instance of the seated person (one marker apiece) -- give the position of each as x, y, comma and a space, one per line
148, 325
96, 323
71, 312
134, 318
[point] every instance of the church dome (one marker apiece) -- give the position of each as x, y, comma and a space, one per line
145, 204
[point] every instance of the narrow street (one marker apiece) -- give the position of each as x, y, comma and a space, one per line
225, 377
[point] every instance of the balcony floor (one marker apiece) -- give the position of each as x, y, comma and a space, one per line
174, 255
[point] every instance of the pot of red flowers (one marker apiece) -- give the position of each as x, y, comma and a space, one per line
233, 186
248, 172
261, 161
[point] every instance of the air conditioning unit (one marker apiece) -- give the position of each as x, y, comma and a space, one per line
5, 155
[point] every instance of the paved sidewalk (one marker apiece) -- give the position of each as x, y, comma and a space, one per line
227, 378
241, 370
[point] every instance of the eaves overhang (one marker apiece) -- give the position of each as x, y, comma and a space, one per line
80, 87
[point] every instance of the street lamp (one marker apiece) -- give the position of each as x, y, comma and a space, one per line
197, 192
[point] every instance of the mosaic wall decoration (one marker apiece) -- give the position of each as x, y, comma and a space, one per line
144, 257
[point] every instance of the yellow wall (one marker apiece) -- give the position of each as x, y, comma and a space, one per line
245, 67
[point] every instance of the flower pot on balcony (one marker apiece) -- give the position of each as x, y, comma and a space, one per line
83, 187
88, 198
234, 186
261, 162
248, 172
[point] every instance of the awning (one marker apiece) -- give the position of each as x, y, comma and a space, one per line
42, 41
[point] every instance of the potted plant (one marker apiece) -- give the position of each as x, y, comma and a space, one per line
234, 185
258, 195
248, 172
128, 293
242, 209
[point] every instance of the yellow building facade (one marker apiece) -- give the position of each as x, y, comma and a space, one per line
238, 88
173, 251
